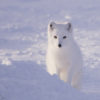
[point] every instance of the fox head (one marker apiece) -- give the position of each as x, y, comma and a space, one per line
59, 34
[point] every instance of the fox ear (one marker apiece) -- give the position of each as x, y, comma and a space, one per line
69, 27
52, 25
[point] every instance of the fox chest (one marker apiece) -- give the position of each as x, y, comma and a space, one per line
61, 59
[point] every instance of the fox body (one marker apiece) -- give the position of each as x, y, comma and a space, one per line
63, 54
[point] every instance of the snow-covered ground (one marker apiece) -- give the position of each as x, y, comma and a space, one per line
23, 43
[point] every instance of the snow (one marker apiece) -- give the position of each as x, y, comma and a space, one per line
27, 80
23, 43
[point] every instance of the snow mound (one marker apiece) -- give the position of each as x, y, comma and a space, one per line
29, 81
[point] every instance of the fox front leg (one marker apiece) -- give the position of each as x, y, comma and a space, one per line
62, 73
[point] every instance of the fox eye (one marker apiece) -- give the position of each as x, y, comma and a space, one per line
64, 37
55, 37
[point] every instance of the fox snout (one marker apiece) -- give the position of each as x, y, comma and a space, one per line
59, 45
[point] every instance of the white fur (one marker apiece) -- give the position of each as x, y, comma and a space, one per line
66, 61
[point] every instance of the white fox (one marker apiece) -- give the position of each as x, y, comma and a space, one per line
63, 55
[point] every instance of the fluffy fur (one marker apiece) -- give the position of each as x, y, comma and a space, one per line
63, 54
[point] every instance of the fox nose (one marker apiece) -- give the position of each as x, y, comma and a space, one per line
59, 45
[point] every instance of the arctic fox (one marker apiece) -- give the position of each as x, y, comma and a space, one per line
63, 54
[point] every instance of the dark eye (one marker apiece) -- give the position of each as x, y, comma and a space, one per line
64, 37
55, 37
